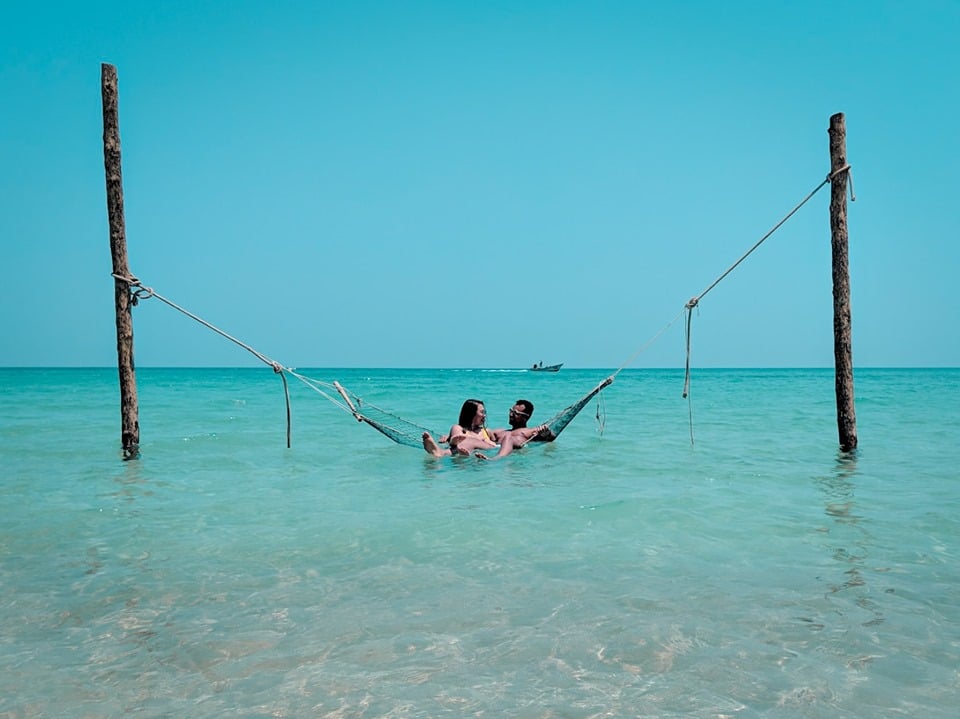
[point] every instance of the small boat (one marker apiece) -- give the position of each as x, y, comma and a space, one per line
541, 367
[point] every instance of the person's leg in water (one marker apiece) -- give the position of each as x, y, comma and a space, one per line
431, 447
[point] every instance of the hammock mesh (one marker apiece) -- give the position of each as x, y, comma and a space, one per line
559, 421
392, 426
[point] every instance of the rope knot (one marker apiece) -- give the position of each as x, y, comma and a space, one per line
846, 168
130, 280
831, 176
694, 301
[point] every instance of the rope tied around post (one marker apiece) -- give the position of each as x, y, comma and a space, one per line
839, 171
135, 294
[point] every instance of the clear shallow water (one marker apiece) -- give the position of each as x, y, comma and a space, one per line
755, 573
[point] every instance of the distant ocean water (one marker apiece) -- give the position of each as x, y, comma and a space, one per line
755, 572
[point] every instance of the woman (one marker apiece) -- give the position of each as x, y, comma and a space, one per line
469, 434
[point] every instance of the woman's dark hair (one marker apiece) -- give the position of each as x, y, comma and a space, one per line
468, 411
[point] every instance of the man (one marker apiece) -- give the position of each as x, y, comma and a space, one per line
518, 434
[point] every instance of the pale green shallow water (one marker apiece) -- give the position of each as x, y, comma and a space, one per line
757, 573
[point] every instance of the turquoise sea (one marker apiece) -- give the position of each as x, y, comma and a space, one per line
753, 572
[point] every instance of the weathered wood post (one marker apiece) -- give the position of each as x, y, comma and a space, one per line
842, 342
130, 424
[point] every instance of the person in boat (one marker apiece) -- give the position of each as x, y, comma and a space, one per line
470, 434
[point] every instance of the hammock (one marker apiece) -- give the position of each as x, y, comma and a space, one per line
410, 434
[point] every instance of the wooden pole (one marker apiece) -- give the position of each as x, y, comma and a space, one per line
842, 342
130, 431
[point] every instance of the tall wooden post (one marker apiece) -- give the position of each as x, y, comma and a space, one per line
842, 342
130, 424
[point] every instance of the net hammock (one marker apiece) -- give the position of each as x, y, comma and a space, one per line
410, 434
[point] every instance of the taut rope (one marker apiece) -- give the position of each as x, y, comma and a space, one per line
144, 292
694, 301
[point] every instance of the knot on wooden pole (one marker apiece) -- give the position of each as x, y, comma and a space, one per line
849, 172
836, 172
144, 293
129, 279
141, 293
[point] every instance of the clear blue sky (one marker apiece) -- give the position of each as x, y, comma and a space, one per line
460, 184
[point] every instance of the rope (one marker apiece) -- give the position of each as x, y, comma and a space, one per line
286, 393
686, 377
693, 302
144, 292
601, 415
148, 292
836, 173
